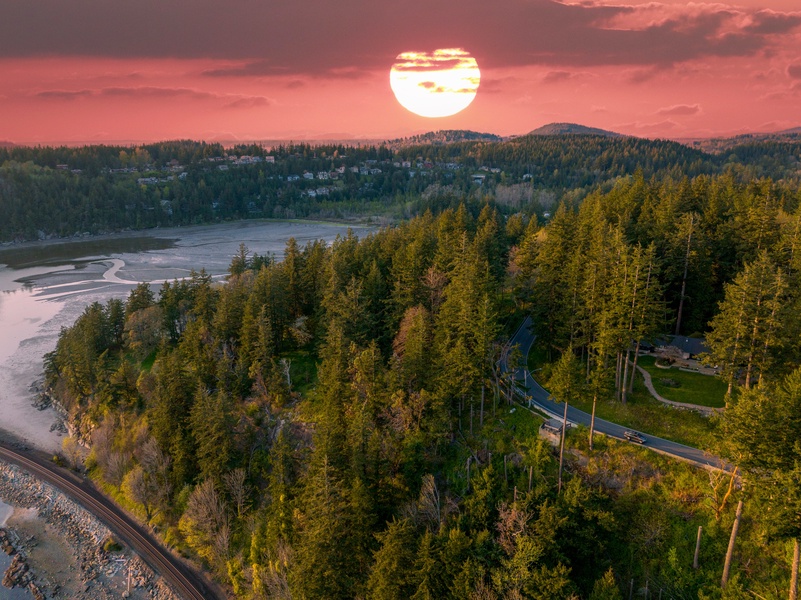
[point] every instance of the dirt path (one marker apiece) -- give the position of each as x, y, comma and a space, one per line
649, 384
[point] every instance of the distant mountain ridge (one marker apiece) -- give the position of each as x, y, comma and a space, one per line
571, 129
446, 136
716, 145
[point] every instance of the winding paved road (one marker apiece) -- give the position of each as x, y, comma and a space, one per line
524, 339
184, 581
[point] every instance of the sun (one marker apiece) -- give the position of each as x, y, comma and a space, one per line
436, 84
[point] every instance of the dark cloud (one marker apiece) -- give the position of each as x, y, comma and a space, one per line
771, 22
152, 92
156, 92
64, 94
320, 38
557, 76
680, 110
794, 71
260, 68
249, 102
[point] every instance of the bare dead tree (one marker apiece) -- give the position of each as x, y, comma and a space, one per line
512, 523
237, 488
429, 505
72, 452
116, 467
136, 488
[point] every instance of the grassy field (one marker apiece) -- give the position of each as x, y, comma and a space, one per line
692, 388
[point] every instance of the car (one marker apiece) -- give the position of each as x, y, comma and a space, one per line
634, 436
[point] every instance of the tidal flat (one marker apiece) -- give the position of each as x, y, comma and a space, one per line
45, 286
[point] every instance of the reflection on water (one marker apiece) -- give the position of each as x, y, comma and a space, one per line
19, 257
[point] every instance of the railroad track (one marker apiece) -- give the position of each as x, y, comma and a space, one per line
185, 582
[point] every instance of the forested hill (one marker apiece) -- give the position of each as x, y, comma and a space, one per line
335, 426
63, 191
445, 136
571, 129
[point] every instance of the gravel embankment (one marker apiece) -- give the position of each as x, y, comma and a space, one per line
58, 547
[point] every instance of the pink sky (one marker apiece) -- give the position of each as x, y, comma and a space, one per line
95, 70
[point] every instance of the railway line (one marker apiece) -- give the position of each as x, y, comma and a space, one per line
187, 583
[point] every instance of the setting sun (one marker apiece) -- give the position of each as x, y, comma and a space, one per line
436, 84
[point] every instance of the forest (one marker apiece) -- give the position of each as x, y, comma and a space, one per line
61, 192
335, 424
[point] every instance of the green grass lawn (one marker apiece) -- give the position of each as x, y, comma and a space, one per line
693, 388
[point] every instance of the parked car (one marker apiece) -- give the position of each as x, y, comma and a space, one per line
634, 436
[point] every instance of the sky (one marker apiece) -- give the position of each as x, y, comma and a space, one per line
145, 70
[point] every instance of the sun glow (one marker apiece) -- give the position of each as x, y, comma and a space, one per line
436, 84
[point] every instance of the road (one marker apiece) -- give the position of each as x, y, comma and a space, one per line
184, 581
541, 399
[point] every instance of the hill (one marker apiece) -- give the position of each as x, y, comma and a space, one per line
571, 129
725, 144
445, 136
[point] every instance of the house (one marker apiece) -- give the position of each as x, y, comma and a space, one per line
690, 347
322, 175
478, 179
307, 175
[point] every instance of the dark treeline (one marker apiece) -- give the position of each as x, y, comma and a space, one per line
63, 191
334, 425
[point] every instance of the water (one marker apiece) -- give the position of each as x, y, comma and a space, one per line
46, 286
5, 560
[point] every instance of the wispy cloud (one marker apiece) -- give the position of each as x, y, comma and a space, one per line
156, 93
680, 110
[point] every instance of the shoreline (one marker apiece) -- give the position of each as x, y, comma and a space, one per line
173, 231
62, 547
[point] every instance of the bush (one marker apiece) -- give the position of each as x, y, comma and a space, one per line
671, 383
111, 545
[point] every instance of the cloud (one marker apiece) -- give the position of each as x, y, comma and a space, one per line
680, 110
249, 102
157, 93
64, 94
261, 68
261, 39
794, 71
557, 76
772, 22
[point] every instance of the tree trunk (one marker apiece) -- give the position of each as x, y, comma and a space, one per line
634, 366
794, 571
481, 416
623, 391
684, 277
562, 449
592, 419
735, 526
471, 416
697, 548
